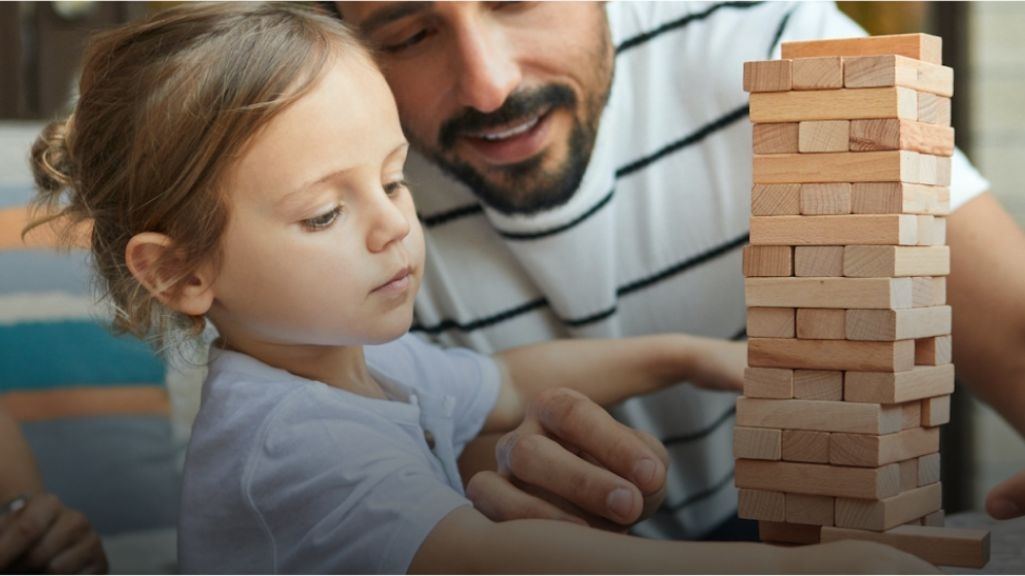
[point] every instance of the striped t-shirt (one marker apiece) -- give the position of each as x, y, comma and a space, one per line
651, 241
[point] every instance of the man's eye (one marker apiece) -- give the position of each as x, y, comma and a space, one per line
408, 42
322, 221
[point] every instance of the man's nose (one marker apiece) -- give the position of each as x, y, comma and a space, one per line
488, 70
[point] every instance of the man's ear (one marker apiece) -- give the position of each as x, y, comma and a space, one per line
152, 259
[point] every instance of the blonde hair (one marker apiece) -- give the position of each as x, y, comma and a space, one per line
165, 107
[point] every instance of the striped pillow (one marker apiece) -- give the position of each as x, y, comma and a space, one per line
93, 406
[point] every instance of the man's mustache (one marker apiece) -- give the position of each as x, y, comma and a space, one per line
517, 106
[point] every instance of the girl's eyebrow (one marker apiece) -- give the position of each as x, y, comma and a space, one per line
297, 194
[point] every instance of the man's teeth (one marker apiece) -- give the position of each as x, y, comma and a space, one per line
514, 131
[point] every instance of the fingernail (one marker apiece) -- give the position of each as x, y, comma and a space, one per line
1004, 509
620, 502
644, 472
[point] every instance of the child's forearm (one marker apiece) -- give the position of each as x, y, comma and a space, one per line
607, 371
465, 542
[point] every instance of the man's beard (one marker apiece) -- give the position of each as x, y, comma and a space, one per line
525, 187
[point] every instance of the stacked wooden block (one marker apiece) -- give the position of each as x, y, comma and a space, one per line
849, 346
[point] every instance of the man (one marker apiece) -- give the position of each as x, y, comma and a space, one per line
594, 182
38, 534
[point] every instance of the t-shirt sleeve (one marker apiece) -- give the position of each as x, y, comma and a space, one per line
342, 493
473, 379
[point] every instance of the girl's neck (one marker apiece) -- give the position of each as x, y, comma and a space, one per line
342, 367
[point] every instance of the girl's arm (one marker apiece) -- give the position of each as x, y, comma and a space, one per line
610, 371
466, 542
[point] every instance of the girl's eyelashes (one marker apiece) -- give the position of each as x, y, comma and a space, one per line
323, 220
392, 188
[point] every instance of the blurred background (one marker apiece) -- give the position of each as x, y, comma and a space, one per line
40, 43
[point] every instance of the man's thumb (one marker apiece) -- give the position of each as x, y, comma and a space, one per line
1007, 499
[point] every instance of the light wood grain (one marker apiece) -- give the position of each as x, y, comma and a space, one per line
925, 47
818, 416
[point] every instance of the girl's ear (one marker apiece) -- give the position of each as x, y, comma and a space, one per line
151, 258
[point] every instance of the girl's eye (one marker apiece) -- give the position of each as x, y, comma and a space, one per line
393, 188
322, 221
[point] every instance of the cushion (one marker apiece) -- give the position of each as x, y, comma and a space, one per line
93, 406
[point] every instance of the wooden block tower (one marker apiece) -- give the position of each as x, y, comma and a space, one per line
849, 351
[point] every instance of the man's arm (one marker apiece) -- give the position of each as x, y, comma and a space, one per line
21, 476
568, 459
986, 289
41, 535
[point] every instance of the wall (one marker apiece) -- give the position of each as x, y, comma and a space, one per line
996, 34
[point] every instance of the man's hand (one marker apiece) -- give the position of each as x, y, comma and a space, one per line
46, 537
1007, 499
570, 460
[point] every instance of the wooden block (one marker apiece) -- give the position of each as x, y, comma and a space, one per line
884, 293
923, 47
936, 411
884, 229
928, 291
876, 450
888, 512
824, 136
939, 231
761, 505
911, 415
768, 260
929, 469
768, 382
806, 446
757, 443
819, 479
810, 509
775, 138
818, 261
934, 351
895, 134
841, 104
831, 354
908, 474
818, 384
900, 387
933, 109
931, 169
891, 261
829, 198
817, 73
770, 322
767, 76
940, 546
879, 166
780, 532
818, 416
898, 197
937, 518
821, 323
904, 324
775, 199
932, 231
896, 70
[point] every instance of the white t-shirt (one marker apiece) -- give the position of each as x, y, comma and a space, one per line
651, 241
285, 474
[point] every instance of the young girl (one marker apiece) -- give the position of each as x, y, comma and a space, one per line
244, 165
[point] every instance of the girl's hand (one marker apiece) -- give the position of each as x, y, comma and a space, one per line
717, 364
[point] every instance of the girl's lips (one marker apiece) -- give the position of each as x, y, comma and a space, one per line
397, 283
